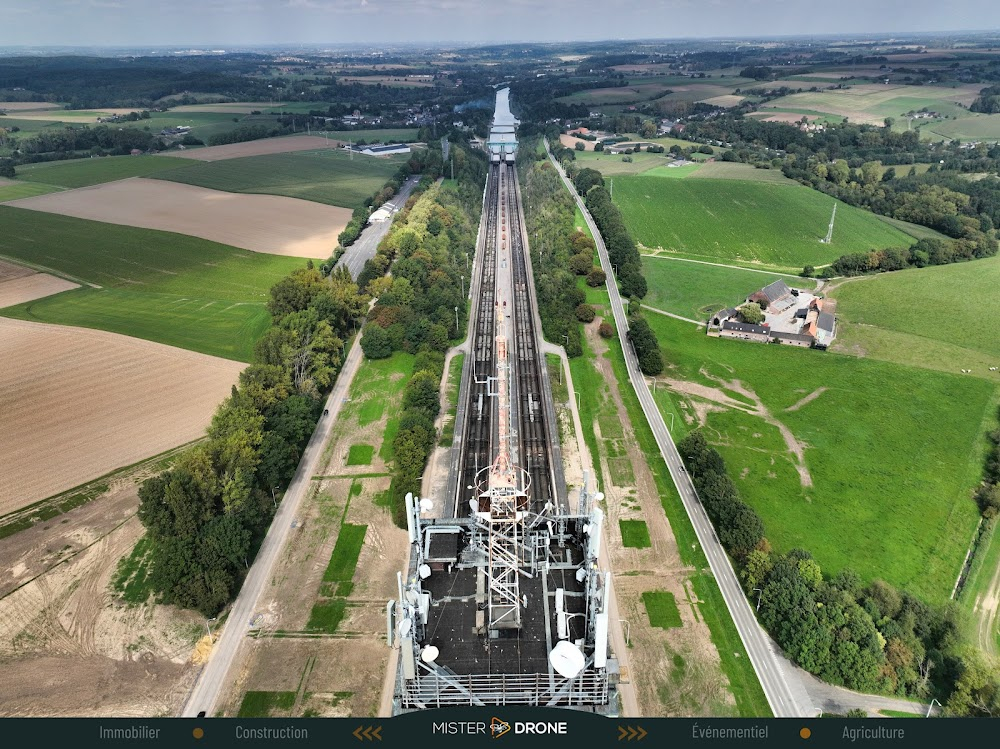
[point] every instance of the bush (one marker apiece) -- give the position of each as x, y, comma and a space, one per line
808, 271
596, 277
752, 314
580, 146
376, 342
585, 313
582, 264
606, 330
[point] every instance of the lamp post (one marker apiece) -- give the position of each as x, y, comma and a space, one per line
628, 630
209, 628
275, 501
931, 707
759, 594
456, 320
463, 286
566, 338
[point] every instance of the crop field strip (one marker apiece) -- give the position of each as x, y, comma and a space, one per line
324, 176
86, 172
164, 287
892, 469
777, 225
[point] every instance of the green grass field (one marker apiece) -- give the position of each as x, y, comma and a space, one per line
344, 559
878, 316
360, 455
773, 225
695, 290
164, 287
968, 127
674, 172
84, 172
745, 172
324, 176
18, 190
612, 164
635, 533
892, 467
262, 704
661, 609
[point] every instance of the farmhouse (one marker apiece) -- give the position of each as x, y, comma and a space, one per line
793, 317
744, 331
774, 296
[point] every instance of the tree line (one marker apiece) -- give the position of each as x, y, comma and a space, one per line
560, 253
421, 307
869, 637
208, 513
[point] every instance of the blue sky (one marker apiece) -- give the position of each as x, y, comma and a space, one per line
257, 22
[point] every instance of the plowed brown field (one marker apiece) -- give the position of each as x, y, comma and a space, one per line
256, 148
80, 403
261, 223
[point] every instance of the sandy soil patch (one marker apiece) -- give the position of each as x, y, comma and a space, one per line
68, 647
31, 287
570, 142
261, 223
255, 148
986, 609
80, 403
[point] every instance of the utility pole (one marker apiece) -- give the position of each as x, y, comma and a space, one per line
453, 168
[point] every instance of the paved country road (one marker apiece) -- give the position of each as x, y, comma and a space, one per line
214, 678
782, 687
365, 246
790, 691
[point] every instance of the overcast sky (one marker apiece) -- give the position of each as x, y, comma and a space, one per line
258, 22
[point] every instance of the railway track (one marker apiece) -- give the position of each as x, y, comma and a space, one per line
531, 409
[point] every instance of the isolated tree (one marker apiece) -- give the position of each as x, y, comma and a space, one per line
808, 271
580, 146
585, 313
752, 314
605, 330
376, 343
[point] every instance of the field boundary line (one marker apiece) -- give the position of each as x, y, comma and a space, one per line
69, 558
671, 314
721, 265
46, 269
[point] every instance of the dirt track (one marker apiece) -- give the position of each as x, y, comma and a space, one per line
261, 223
79, 403
255, 148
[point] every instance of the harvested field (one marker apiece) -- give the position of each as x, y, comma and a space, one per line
79, 403
261, 223
30, 287
570, 142
26, 106
255, 148
724, 100
227, 107
10, 271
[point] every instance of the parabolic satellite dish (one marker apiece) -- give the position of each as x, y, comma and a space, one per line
407, 624
566, 659
474, 504
424, 571
426, 505
429, 654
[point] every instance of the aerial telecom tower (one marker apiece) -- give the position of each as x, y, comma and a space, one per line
504, 603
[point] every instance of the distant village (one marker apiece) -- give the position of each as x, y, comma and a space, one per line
779, 314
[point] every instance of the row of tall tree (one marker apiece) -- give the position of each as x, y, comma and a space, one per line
419, 278
560, 253
207, 514
869, 637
